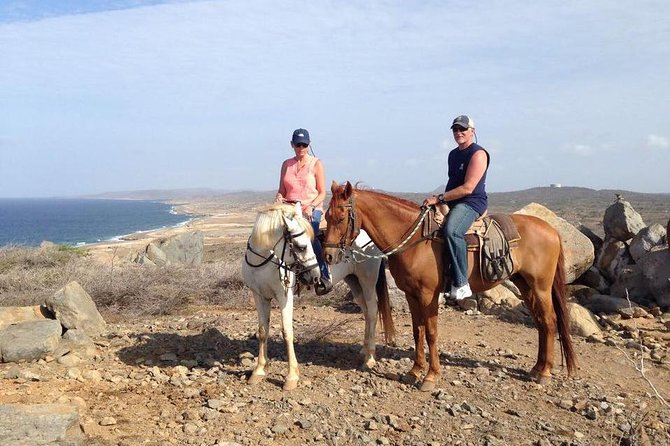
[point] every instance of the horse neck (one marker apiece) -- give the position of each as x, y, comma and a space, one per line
384, 219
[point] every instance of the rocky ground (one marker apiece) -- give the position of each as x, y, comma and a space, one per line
181, 380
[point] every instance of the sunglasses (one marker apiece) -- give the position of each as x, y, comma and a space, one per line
459, 129
302, 145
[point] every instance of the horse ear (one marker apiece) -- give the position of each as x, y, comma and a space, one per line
333, 187
348, 190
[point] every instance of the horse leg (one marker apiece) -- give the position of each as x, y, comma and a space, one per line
286, 306
433, 374
418, 330
263, 310
537, 295
366, 298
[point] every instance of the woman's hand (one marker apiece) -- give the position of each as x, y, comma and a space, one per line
279, 198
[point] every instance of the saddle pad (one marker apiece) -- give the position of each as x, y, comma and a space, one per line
472, 235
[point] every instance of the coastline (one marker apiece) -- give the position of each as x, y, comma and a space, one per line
220, 222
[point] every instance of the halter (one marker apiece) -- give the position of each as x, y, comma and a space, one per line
354, 228
297, 267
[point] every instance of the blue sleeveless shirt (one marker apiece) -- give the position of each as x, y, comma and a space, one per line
459, 160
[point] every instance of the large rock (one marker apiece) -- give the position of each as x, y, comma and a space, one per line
76, 342
621, 221
504, 302
655, 268
13, 315
593, 278
40, 424
28, 341
613, 258
156, 255
74, 308
595, 238
577, 248
648, 238
630, 283
582, 321
186, 248
601, 303
396, 296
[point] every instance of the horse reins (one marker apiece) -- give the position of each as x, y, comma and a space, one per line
279, 261
353, 226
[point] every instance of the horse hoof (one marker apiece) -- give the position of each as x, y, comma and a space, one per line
427, 386
408, 378
255, 379
291, 384
543, 380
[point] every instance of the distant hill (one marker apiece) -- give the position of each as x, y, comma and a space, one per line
578, 205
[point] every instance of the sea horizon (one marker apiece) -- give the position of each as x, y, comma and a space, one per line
82, 221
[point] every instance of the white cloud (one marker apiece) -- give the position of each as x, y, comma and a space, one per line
658, 142
580, 149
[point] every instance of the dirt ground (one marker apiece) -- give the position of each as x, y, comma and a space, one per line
181, 379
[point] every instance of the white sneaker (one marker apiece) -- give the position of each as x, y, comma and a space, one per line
460, 293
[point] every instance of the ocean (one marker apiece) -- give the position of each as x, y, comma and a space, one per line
29, 221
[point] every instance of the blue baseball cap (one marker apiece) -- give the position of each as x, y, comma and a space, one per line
300, 136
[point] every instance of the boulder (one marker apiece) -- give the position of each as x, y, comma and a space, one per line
593, 278
156, 255
602, 303
13, 315
28, 341
74, 308
582, 321
613, 258
655, 267
595, 238
621, 221
396, 296
76, 342
630, 283
40, 424
502, 301
577, 248
186, 248
646, 239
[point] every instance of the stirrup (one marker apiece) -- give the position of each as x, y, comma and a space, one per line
324, 286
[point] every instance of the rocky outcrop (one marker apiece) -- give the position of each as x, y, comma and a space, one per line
74, 308
621, 221
74, 319
647, 239
40, 424
183, 249
28, 341
655, 267
577, 248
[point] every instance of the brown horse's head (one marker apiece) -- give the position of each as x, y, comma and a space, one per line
343, 226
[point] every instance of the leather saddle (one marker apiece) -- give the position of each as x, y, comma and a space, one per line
494, 236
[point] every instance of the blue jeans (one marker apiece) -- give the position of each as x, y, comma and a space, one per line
459, 219
316, 244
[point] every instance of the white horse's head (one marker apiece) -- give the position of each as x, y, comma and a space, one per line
282, 230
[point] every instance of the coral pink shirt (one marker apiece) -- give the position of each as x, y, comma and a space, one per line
300, 184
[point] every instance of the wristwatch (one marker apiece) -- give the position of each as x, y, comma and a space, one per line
440, 198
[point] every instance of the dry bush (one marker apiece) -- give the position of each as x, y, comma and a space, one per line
29, 275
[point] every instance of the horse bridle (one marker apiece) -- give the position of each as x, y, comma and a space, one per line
353, 227
297, 267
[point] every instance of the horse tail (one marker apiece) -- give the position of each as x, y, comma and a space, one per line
384, 305
558, 294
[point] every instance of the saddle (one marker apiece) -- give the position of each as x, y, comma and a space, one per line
493, 236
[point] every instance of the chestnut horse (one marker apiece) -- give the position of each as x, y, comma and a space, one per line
417, 268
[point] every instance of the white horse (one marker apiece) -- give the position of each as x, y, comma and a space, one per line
270, 276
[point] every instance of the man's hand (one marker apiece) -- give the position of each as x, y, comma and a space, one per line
431, 201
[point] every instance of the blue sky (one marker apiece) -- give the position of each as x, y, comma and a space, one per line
102, 96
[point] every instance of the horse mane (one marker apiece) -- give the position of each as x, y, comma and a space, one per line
398, 200
269, 226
